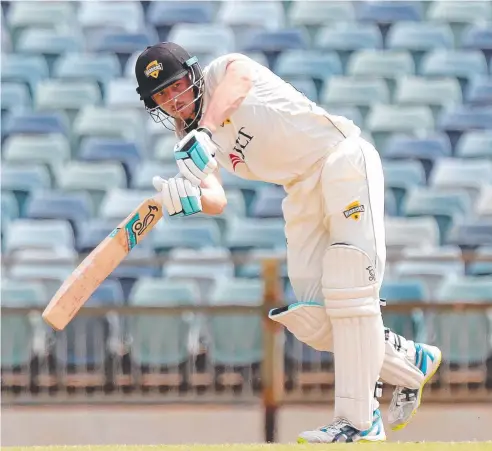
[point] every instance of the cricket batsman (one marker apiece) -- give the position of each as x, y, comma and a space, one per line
239, 115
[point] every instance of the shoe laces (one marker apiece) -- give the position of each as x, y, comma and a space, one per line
336, 426
404, 396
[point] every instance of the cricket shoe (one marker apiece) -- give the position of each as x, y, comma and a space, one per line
406, 401
341, 431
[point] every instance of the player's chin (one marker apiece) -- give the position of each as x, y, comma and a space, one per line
185, 114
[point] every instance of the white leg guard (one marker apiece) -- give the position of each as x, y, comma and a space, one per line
399, 362
351, 297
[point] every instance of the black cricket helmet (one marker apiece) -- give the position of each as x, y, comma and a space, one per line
158, 67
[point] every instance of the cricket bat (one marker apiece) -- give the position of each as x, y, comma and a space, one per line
99, 264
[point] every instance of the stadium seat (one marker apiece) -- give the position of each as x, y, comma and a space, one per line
46, 256
350, 112
49, 43
36, 123
160, 340
479, 91
163, 149
409, 290
400, 176
30, 233
445, 206
268, 15
119, 203
433, 93
453, 63
481, 268
6, 40
28, 69
426, 150
51, 15
251, 265
416, 232
22, 179
178, 232
50, 149
383, 12
147, 169
74, 207
339, 90
304, 85
15, 97
236, 339
88, 67
10, 209
475, 144
120, 42
466, 346
457, 119
467, 174
315, 14
268, 203
110, 149
246, 233
122, 15
308, 63
478, 37
66, 95
483, 207
459, 14
93, 233
382, 120
277, 41
199, 39
30, 294
120, 93
471, 234
94, 178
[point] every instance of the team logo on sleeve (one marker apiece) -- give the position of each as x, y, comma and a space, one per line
153, 69
353, 211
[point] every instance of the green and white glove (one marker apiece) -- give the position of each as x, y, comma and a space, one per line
179, 197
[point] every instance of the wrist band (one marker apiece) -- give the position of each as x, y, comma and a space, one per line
205, 130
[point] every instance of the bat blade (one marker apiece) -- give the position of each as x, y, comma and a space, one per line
100, 263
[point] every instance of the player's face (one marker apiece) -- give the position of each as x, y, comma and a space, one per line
177, 100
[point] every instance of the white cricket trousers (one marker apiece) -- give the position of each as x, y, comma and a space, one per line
325, 207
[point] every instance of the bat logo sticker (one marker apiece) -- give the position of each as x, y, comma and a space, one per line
136, 227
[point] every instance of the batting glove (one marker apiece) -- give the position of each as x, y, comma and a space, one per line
179, 197
195, 155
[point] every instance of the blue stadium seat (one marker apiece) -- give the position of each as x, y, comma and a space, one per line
419, 37
236, 339
481, 268
148, 169
121, 42
117, 204
475, 144
478, 37
384, 12
10, 209
483, 207
74, 207
466, 346
176, 232
311, 63
467, 174
36, 123
164, 15
315, 14
203, 38
94, 231
126, 152
122, 15
390, 203
268, 203
383, 120
120, 93
28, 69
350, 112
49, 43
426, 150
471, 233
416, 232
15, 98
446, 207
29, 233
277, 41
30, 294
6, 40
400, 176
87, 66
249, 233
164, 292
304, 85
163, 149
479, 91
453, 63
268, 15
403, 291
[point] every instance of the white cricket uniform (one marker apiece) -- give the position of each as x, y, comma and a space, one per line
334, 213
332, 176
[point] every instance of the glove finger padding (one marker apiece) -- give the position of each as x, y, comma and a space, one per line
308, 322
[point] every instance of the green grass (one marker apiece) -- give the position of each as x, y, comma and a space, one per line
426, 446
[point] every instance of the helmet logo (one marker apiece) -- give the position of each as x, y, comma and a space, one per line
153, 69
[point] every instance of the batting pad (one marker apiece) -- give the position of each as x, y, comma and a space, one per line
307, 321
350, 289
398, 368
